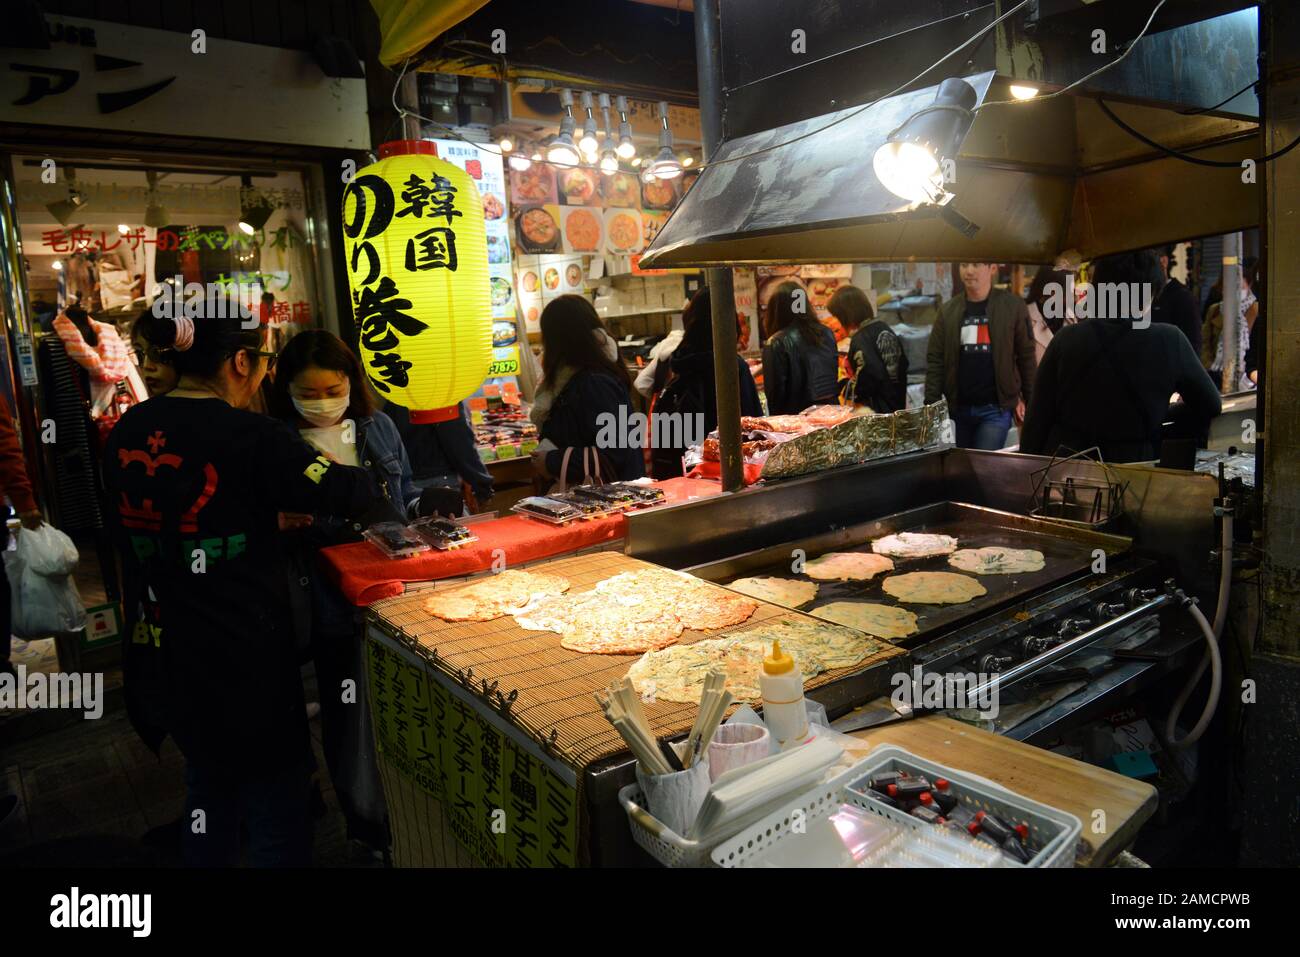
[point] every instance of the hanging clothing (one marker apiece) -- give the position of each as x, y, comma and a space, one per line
76, 486
107, 363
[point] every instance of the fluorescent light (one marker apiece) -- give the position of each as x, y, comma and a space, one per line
1023, 92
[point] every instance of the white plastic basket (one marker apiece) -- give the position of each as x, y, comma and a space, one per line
1053, 832
656, 838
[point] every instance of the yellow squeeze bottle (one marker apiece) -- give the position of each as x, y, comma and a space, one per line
784, 712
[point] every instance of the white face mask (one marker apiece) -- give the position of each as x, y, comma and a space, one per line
322, 412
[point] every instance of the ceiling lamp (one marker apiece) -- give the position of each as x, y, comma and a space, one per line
910, 161
1023, 91
648, 175
588, 144
506, 144
688, 160
519, 162
57, 265
666, 165
626, 149
636, 161
561, 150
64, 210
253, 216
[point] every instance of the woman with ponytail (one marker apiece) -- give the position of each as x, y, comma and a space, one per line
198, 482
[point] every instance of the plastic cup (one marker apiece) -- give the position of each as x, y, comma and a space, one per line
735, 745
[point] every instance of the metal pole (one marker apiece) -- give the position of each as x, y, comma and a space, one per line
1230, 311
708, 64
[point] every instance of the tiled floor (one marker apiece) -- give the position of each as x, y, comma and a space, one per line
90, 792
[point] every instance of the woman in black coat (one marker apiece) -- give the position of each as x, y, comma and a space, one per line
591, 415
800, 361
692, 389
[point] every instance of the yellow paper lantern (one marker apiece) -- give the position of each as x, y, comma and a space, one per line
416, 253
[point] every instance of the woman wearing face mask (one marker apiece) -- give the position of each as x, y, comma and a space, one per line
320, 388
198, 482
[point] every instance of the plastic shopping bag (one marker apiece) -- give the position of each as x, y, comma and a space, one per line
45, 599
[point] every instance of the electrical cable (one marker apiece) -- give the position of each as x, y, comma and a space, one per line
1187, 157
1210, 109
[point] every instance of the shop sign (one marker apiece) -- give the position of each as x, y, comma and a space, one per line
136, 80
103, 624
26, 358
507, 806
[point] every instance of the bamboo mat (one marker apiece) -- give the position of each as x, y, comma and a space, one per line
556, 703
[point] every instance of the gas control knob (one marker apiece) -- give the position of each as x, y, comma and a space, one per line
1032, 645
1105, 610
1140, 596
993, 664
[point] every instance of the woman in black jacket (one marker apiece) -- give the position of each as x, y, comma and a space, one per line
800, 361
691, 389
590, 418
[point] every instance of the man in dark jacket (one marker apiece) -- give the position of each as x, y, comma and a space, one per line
442, 454
876, 359
1174, 303
1106, 382
981, 358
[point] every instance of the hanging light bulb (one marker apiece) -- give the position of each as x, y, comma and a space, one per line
588, 143
688, 160
123, 228
636, 161
648, 175
561, 150
506, 144
57, 265
626, 149
666, 165
536, 157
608, 154
519, 162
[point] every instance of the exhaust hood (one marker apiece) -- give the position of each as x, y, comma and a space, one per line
1037, 177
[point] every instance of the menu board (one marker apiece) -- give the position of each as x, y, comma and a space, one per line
507, 806
488, 173
581, 211
540, 279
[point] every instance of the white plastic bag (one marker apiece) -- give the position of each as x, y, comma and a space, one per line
45, 599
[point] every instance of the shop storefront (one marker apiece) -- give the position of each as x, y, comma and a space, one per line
131, 164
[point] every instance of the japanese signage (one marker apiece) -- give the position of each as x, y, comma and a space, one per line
130, 79
507, 806
417, 257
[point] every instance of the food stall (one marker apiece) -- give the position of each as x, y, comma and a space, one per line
1063, 587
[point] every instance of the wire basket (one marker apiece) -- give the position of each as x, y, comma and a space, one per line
1093, 499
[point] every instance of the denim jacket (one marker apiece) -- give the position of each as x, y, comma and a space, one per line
318, 607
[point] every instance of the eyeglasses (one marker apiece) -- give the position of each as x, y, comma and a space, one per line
270, 357
152, 354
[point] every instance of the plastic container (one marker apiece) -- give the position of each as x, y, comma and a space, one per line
784, 711
1053, 833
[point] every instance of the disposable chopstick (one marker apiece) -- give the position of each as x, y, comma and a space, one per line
635, 734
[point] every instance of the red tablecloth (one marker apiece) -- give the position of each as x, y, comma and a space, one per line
364, 574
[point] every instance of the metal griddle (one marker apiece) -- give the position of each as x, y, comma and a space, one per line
1068, 553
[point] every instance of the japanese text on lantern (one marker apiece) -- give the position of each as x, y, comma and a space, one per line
382, 312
